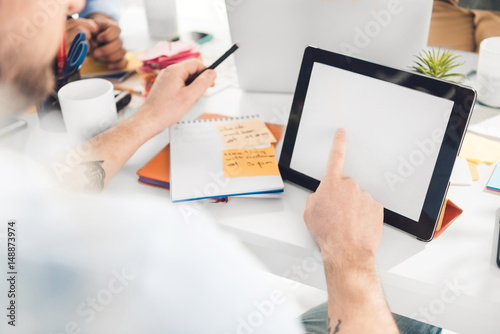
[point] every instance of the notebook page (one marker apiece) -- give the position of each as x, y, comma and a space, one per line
196, 167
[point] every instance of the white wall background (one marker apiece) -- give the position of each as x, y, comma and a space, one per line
187, 8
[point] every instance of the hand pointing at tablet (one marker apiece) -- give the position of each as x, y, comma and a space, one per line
346, 223
342, 217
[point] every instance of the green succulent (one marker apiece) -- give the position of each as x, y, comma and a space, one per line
437, 64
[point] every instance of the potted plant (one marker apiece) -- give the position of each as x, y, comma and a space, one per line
438, 64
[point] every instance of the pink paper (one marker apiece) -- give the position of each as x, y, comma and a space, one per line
170, 49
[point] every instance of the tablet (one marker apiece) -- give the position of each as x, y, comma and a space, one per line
404, 131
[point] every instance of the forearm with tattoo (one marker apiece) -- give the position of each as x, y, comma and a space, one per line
336, 329
95, 175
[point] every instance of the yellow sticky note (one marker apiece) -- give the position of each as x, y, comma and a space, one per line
245, 134
477, 149
250, 162
473, 171
93, 67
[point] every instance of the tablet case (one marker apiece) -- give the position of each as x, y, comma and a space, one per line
157, 171
449, 214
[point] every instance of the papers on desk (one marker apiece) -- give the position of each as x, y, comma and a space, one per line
204, 163
95, 69
163, 55
166, 53
485, 121
494, 183
478, 150
461, 175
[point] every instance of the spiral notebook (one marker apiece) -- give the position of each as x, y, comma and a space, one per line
196, 163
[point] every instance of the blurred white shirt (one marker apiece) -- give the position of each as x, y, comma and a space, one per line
103, 264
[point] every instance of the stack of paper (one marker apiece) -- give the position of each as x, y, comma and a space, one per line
461, 175
494, 183
478, 150
166, 53
485, 121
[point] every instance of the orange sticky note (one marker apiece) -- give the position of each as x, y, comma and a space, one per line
245, 134
250, 162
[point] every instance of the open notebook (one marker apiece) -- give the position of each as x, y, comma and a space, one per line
196, 164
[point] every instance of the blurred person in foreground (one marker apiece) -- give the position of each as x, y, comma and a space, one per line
99, 264
91, 264
26, 78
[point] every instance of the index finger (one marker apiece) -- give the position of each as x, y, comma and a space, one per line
337, 155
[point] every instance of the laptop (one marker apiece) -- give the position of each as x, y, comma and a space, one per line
273, 35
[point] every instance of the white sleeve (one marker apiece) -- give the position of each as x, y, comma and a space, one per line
108, 265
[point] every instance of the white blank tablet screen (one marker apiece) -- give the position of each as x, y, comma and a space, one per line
394, 135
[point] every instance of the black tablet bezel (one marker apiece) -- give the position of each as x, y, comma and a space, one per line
463, 97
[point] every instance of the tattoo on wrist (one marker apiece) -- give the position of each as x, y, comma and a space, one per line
95, 175
336, 329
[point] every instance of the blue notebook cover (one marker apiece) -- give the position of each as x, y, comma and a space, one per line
494, 183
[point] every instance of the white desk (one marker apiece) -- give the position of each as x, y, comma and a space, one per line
416, 276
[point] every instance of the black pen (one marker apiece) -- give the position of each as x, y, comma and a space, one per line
216, 63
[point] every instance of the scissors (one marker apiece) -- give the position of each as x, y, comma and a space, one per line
77, 53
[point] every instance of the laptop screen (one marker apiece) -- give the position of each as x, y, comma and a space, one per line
394, 162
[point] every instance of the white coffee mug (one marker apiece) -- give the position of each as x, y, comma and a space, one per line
162, 19
488, 72
88, 108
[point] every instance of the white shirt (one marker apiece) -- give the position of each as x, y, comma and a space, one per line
101, 264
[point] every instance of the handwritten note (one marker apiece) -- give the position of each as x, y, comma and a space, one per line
250, 162
245, 134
